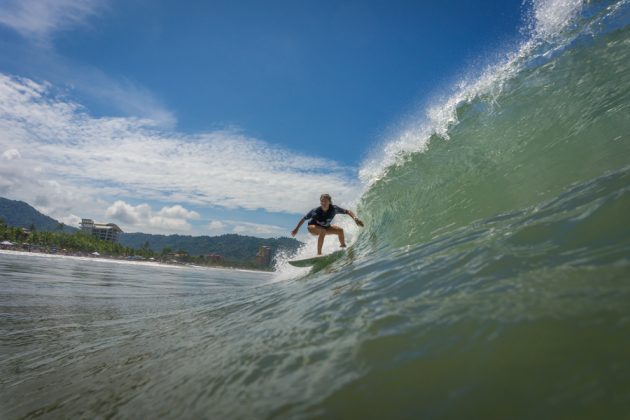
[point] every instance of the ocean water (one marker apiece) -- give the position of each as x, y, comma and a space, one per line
492, 279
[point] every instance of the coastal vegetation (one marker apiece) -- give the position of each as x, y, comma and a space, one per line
56, 241
82, 244
230, 246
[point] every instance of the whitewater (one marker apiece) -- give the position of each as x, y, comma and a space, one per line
492, 279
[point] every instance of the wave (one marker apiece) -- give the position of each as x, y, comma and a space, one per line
548, 116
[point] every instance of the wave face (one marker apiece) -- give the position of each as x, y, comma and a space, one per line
551, 116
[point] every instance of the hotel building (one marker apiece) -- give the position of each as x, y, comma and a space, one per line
106, 232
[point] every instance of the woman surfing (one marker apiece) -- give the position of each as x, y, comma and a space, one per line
319, 222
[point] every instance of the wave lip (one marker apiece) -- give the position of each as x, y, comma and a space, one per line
547, 28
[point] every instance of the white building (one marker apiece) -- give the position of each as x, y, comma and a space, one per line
106, 232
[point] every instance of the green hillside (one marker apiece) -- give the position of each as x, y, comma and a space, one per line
20, 214
233, 247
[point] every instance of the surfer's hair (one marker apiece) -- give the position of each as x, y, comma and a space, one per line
326, 196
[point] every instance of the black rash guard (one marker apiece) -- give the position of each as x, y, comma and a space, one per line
322, 218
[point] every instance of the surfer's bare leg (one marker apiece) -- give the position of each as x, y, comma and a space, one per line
336, 230
321, 233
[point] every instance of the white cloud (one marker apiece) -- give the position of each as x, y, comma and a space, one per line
11, 154
127, 213
165, 224
178, 211
71, 220
143, 217
216, 226
40, 18
93, 160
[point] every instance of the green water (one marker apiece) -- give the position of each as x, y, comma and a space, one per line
553, 126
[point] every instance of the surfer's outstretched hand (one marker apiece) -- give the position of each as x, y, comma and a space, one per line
358, 221
294, 232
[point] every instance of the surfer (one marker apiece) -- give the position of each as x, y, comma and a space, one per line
320, 218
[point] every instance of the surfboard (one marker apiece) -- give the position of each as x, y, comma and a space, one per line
320, 260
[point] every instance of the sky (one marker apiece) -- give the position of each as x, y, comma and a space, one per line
214, 117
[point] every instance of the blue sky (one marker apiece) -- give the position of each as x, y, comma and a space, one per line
216, 117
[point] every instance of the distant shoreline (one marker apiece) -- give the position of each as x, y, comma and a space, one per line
121, 261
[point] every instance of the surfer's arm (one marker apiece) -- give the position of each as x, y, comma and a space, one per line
354, 217
295, 231
308, 216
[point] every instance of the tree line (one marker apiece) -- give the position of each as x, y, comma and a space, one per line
81, 242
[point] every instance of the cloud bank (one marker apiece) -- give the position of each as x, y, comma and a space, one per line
51, 147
